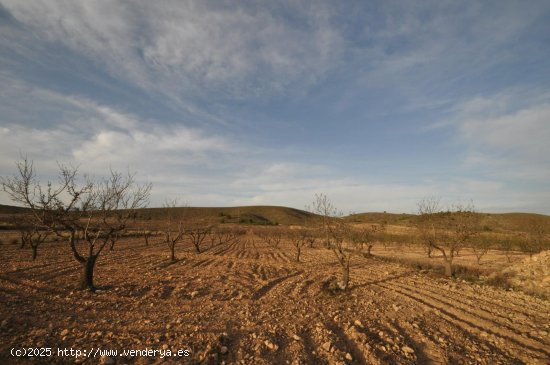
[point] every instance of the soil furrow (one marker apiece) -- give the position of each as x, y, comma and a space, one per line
473, 325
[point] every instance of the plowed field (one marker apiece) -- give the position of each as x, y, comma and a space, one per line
245, 302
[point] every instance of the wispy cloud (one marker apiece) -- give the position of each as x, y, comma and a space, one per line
507, 134
192, 48
99, 136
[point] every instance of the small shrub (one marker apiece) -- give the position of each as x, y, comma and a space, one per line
471, 274
500, 280
330, 287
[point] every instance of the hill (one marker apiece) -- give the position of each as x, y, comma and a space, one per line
263, 215
387, 218
274, 215
489, 221
10, 209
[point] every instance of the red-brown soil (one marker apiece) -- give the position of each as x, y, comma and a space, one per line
248, 303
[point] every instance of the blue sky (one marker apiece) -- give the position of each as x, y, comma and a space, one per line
375, 103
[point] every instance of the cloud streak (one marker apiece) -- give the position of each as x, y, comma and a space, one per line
192, 48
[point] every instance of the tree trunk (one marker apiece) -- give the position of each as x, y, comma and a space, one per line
298, 254
173, 253
345, 276
448, 267
87, 278
369, 248
34, 252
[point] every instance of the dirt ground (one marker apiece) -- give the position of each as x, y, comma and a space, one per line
248, 303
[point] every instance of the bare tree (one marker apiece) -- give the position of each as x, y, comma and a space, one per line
427, 210
146, 235
174, 231
171, 238
271, 236
92, 211
481, 246
213, 237
507, 244
299, 238
31, 232
114, 238
197, 230
228, 235
311, 237
323, 207
337, 233
364, 238
450, 230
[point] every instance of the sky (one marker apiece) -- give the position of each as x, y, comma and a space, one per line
376, 104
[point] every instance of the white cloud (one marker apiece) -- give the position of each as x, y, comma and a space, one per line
525, 132
97, 137
507, 134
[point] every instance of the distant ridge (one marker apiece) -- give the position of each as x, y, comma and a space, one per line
258, 214
489, 221
11, 209
275, 215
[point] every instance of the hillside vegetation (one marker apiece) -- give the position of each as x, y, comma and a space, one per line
279, 215
498, 222
263, 215
10, 209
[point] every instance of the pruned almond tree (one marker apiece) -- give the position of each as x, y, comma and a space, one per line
114, 239
172, 237
337, 235
146, 234
365, 237
339, 240
220, 235
197, 230
311, 237
174, 230
450, 230
271, 236
299, 238
426, 224
326, 211
507, 244
32, 233
88, 212
481, 246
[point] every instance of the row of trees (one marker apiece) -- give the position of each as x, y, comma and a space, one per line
446, 231
91, 213
341, 237
449, 231
88, 213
